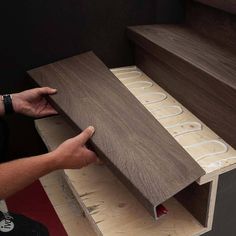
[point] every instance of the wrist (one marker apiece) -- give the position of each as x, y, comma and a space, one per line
54, 160
6, 106
17, 103
51, 161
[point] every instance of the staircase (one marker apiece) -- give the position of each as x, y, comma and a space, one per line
196, 68
185, 77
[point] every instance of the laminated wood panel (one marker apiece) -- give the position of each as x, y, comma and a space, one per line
217, 25
226, 5
137, 148
195, 70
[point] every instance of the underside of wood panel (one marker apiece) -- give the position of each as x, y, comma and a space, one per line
142, 153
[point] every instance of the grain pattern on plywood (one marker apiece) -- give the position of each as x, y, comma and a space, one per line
138, 149
197, 63
107, 204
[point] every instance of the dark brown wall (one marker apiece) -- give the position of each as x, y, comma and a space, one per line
37, 32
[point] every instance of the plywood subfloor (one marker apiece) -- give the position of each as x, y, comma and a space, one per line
107, 203
65, 205
209, 150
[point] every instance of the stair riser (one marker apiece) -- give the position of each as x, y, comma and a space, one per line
212, 108
195, 75
226, 5
213, 23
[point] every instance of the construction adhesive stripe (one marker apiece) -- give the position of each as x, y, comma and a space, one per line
177, 111
122, 69
150, 98
196, 145
185, 128
129, 75
140, 85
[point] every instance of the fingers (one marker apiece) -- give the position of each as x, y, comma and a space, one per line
46, 91
86, 135
48, 111
89, 158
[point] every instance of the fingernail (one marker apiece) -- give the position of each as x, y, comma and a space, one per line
92, 129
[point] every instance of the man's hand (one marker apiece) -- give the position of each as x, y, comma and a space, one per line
16, 175
73, 154
33, 102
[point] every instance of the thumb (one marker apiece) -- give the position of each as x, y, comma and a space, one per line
86, 135
47, 91
89, 158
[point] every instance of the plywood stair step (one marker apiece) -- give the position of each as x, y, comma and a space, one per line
196, 70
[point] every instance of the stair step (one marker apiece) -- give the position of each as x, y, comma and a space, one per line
226, 5
186, 62
212, 23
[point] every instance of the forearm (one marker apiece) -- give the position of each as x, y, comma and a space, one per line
2, 109
18, 174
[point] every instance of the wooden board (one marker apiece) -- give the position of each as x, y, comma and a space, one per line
138, 149
107, 203
226, 5
218, 25
194, 70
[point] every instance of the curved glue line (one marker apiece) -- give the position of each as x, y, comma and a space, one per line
149, 84
219, 163
197, 127
178, 112
164, 96
134, 68
138, 75
225, 148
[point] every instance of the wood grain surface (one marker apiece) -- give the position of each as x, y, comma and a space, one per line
212, 23
194, 69
226, 5
137, 148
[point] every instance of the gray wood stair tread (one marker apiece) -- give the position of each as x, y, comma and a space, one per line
135, 146
183, 42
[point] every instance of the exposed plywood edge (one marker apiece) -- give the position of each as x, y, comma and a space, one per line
65, 205
86, 210
110, 207
212, 201
212, 175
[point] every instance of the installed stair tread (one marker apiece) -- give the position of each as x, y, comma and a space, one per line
192, 47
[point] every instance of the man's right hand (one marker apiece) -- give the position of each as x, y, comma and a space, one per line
73, 154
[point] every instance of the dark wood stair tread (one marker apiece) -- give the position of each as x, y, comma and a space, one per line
135, 146
226, 5
183, 42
